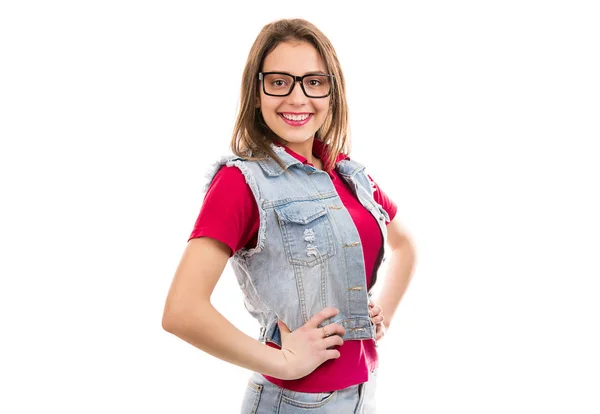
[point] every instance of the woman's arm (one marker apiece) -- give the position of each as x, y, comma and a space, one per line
399, 272
190, 315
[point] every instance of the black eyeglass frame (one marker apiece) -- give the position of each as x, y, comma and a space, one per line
296, 79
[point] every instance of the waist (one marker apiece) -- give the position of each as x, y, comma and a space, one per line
357, 360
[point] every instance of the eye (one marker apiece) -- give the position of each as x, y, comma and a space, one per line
316, 82
275, 81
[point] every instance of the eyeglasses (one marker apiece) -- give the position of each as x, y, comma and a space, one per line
314, 85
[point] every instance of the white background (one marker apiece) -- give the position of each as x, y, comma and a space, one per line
480, 120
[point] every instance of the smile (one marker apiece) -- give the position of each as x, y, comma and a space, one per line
295, 119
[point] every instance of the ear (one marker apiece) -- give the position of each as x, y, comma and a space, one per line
257, 100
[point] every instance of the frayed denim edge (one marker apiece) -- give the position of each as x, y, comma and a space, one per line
262, 229
234, 161
213, 169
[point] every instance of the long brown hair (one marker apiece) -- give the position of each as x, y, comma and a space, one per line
252, 138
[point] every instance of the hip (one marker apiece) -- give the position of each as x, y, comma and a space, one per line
262, 396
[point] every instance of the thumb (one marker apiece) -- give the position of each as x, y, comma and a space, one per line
283, 327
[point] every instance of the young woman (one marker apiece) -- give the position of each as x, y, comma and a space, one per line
305, 229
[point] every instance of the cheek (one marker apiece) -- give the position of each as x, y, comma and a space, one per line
323, 105
267, 106
323, 110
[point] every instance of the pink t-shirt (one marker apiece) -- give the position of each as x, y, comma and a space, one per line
229, 196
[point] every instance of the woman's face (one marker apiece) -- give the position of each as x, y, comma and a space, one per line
294, 118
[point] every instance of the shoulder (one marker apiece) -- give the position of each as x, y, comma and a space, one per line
383, 199
216, 169
229, 176
228, 185
351, 169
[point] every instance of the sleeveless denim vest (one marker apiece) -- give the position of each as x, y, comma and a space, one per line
308, 254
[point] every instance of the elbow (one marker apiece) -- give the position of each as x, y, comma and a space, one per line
405, 248
412, 255
411, 250
174, 318
170, 321
405, 245
179, 318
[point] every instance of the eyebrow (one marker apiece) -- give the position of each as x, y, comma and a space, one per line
315, 72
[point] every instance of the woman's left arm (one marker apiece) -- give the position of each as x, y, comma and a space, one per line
399, 271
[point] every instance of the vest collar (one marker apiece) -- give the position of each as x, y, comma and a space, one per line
348, 167
271, 168
345, 166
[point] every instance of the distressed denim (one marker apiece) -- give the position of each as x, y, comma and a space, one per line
308, 255
262, 396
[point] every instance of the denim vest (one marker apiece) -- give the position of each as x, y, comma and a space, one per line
308, 254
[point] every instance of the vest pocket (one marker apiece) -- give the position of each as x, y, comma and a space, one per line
306, 232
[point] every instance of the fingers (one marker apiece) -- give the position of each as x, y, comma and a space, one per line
376, 313
332, 354
332, 341
377, 319
380, 331
321, 317
375, 310
283, 329
335, 329
282, 326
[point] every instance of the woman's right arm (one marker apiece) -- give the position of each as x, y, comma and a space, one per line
190, 315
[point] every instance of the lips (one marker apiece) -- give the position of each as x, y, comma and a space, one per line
295, 119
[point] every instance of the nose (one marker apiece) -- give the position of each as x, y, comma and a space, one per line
297, 95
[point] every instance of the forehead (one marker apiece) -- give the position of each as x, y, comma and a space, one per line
296, 58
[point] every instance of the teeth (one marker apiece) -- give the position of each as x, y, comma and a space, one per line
296, 117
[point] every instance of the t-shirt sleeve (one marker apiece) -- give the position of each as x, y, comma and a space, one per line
388, 205
229, 212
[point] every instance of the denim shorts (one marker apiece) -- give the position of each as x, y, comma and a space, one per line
262, 396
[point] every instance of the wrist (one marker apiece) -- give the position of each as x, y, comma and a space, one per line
276, 363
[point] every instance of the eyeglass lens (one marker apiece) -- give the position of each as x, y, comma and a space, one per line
281, 85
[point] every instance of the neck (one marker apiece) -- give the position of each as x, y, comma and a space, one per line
302, 148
